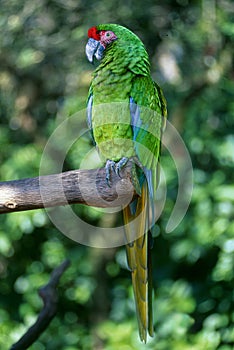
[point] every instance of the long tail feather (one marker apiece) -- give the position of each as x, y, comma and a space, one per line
139, 261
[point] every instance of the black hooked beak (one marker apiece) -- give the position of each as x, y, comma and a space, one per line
94, 48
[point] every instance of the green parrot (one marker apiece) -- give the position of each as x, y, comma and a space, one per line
126, 113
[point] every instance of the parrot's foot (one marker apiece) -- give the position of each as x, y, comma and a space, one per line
111, 165
119, 166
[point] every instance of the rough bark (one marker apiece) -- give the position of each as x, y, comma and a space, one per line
78, 186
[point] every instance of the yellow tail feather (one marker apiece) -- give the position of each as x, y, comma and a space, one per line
139, 261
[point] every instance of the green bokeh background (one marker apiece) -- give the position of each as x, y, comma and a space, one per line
44, 77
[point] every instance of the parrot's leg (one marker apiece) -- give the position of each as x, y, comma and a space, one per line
119, 166
116, 167
110, 166
134, 176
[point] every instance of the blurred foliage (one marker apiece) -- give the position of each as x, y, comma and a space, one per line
44, 77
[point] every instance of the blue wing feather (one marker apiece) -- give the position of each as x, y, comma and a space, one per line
89, 115
147, 173
89, 111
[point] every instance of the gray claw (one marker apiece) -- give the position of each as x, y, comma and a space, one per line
110, 166
119, 166
116, 167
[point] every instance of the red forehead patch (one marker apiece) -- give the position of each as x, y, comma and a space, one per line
93, 33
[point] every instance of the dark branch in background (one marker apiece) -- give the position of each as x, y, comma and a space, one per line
49, 295
77, 186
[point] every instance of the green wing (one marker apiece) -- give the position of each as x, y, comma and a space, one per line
148, 115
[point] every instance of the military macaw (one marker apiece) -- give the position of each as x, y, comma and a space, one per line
126, 112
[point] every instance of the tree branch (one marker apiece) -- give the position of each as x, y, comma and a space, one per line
77, 186
48, 293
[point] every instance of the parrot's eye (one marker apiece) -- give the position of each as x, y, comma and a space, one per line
107, 37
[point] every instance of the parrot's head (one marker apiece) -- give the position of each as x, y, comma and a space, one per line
98, 41
104, 36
